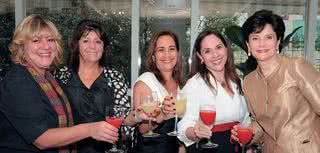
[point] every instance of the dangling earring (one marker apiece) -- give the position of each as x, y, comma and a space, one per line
249, 53
278, 52
153, 58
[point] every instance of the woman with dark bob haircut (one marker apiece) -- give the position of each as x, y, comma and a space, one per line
213, 81
283, 93
91, 85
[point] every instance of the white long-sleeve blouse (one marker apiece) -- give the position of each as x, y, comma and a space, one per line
228, 108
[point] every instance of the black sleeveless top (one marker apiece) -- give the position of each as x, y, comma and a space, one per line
161, 144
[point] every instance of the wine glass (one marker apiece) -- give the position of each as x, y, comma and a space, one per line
208, 117
244, 135
116, 121
180, 104
149, 105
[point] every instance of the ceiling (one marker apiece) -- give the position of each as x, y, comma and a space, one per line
171, 8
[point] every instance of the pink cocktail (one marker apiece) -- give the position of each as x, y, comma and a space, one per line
244, 135
116, 122
208, 117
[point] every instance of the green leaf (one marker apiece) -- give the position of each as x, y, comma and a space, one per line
234, 35
286, 40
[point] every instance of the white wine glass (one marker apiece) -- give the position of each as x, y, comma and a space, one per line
181, 102
149, 105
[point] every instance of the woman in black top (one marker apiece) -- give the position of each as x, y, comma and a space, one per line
35, 115
90, 84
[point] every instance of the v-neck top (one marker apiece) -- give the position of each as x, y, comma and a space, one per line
228, 108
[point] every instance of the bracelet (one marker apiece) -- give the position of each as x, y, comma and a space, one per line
136, 118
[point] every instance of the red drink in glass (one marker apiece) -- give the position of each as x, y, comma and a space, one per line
244, 135
208, 117
116, 122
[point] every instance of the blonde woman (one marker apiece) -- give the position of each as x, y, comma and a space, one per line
35, 115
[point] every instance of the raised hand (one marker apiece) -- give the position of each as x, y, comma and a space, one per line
103, 131
202, 131
169, 105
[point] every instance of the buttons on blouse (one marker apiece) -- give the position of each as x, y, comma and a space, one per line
89, 94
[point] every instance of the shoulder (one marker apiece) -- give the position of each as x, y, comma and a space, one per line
16, 75
18, 81
146, 76
63, 74
250, 79
252, 75
112, 74
144, 79
193, 82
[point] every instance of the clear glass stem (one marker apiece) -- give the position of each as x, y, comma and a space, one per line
243, 147
149, 127
175, 123
114, 148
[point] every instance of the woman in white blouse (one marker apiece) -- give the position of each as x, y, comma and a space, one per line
164, 77
214, 81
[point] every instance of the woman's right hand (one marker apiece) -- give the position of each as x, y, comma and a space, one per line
202, 131
103, 131
140, 115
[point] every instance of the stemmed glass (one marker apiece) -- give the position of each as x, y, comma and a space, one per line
180, 104
208, 117
149, 105
116, 121
244, 135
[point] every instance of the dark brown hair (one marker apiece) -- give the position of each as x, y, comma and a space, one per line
84, 28
151, 65
198, 67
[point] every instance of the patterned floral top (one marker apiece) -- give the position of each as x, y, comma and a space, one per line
114, 80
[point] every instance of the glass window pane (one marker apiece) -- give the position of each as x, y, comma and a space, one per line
115, 15
173, 15
219, 15
7, 20
317, 43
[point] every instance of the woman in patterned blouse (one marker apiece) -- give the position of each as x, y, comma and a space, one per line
90, 85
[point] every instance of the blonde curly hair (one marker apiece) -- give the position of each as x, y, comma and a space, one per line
30, 27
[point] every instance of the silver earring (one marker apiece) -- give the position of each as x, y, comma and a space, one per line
278, 52
249, 54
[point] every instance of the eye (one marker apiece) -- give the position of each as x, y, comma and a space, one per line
205, 51
220, 47
99, 42
173, 49
160, 50
84, 40
35, 39
51, 40
270, 37
254, 38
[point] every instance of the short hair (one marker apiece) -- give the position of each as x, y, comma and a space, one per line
198, 67
151, 65
83, 29
30, 27
257, 22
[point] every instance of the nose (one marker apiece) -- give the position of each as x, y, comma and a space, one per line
45, 43
92, 44
261, 43
214, 53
